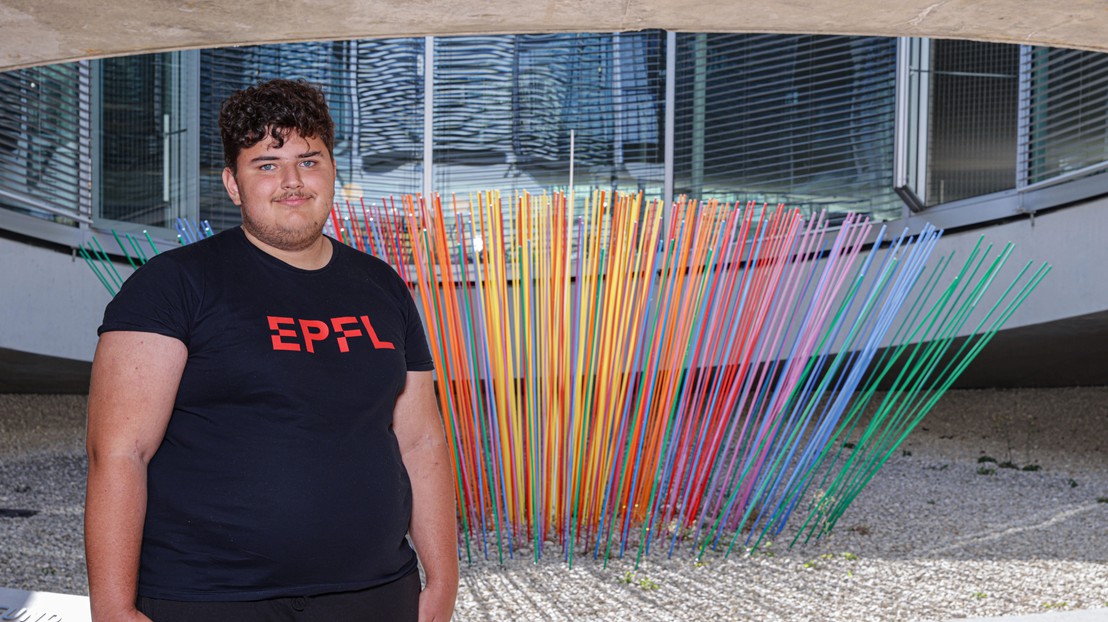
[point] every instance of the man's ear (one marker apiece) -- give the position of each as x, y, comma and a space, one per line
232, 186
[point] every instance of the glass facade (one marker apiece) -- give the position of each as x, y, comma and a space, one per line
1067, 112
815, 122
974, 119
506, 109
44, 139
804, 120
143, 165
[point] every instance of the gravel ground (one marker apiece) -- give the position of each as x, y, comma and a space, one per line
930, 538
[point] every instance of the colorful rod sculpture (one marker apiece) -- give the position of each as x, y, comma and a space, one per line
101, 264
627, 374
610, 377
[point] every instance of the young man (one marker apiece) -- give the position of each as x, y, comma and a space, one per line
262, 430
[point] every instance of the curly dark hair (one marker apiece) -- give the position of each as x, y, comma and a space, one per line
274, 108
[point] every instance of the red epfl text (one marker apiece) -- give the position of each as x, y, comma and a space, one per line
293, 334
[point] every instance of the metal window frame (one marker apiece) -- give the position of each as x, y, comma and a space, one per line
187, 106
913, 71
428, 116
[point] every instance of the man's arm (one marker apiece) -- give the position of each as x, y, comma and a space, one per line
434, 527
134, 383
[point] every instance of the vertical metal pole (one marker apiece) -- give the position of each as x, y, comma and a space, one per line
617, 103
670, 115
90, 151
699, 103
922, 127
167, 155
85, 155
572, 147
913, 71
190, 121
181, 136
428, 113
1023, 125
355, 110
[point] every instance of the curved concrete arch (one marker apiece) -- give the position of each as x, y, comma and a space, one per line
35, 32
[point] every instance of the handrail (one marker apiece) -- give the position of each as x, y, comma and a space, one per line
33, 203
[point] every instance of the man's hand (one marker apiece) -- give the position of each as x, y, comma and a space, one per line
436, 603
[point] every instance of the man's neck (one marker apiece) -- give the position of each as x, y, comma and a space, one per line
314, 257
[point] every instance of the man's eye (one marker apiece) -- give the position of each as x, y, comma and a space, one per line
308, 163
267, 167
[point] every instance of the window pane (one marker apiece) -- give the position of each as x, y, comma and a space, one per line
1069, 112
41, 137
143, 139
806, 120
974, 119
381, 154
226, 70
506, 106
375, 96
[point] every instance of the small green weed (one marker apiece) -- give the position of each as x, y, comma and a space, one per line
645, 583
980, 595
1008, 465
1102, 499
850, 557
986, 471
984, 459
1072, 482
1032, 467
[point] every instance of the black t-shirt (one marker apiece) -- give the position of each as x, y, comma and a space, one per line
279, 474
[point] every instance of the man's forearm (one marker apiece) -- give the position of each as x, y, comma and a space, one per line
434, 528
115, 508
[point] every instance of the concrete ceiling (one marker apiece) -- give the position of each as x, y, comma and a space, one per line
34, 32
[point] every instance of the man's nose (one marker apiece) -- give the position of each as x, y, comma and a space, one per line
291, 178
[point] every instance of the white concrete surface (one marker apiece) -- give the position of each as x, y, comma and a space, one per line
45, 31
43, 606
1088, 615
50, 301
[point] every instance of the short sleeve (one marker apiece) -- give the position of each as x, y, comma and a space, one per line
416, 352
157, 298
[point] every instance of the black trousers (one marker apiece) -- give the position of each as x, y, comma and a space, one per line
397, 601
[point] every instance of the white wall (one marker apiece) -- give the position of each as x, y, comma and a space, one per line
1074, 240
50, 301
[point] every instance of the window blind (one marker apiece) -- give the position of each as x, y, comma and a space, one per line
1068, 116
807, 120
44, 137
226, 70
974, 119
505, 108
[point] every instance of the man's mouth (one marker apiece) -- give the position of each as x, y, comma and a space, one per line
293, 199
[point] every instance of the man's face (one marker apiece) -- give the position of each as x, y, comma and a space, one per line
285, 193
